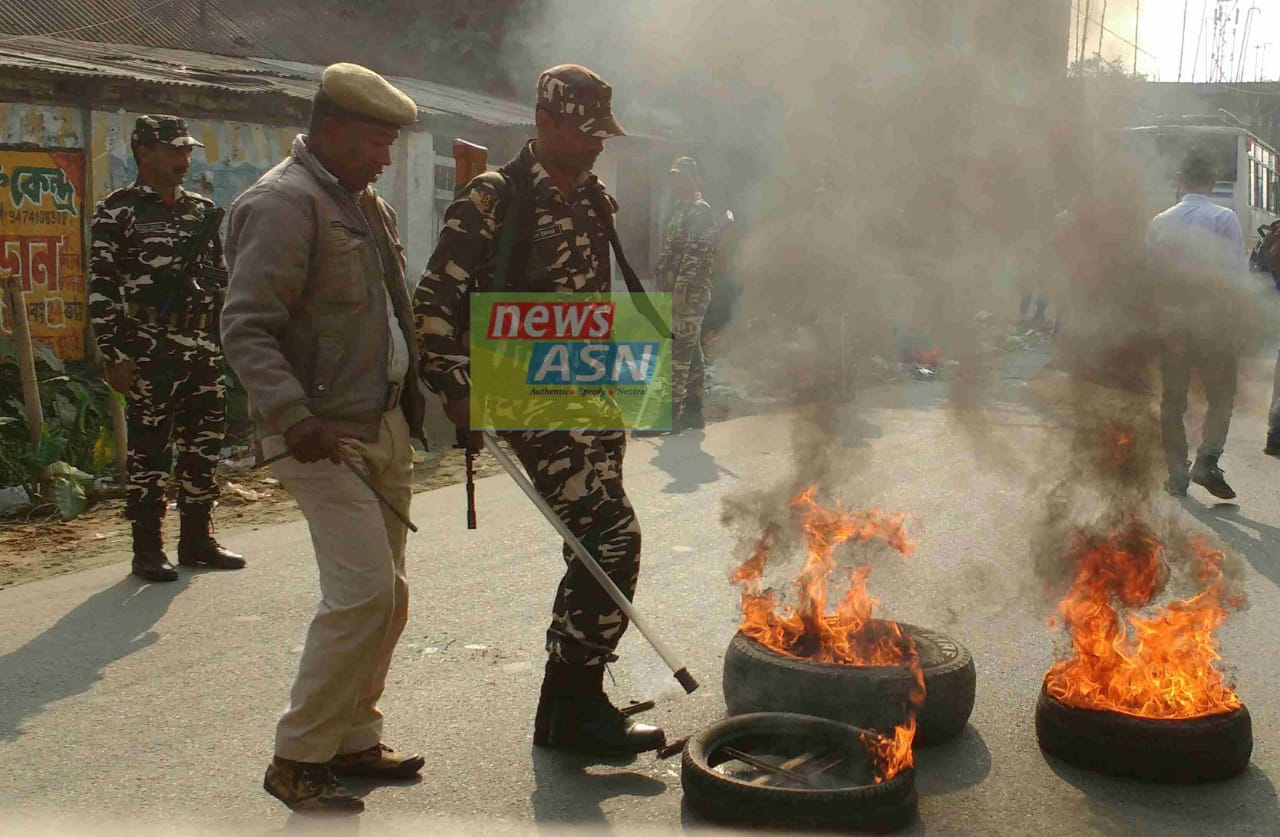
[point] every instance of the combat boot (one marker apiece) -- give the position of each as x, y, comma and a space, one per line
1207, 474
691, 415
149, 560
196, 544
575, 714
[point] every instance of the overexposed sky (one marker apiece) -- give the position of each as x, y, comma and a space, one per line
1160, 30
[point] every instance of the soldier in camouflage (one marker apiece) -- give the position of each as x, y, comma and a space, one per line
154, 304
563, 248
684, 271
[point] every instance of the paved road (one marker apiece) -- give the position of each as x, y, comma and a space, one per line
155, 704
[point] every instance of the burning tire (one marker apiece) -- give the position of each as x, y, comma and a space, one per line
1182, 751
843, 795
757, 679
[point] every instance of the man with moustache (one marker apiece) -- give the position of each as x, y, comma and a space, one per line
156, 326
319, 328
561, 245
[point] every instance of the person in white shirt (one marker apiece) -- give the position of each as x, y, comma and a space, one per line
1196, 249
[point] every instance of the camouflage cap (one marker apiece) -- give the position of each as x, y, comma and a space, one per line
171, 130
573, 91
684, 165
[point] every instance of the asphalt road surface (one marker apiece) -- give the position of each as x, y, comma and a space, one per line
133, 708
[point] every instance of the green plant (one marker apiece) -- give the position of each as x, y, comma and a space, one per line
76, 440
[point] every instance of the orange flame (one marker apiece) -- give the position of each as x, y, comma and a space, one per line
1164, 668
850, 636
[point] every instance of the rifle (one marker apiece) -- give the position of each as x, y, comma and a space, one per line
186, 267
470, 160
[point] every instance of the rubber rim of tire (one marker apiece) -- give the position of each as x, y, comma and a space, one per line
881, 807
758, 679
1175, 751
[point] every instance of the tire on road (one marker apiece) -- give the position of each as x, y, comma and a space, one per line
1174, 751
861, 805
757, 679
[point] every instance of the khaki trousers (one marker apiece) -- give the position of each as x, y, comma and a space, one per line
364, 595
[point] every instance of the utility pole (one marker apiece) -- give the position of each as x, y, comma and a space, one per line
1102, 29
1137, 17
1182, 44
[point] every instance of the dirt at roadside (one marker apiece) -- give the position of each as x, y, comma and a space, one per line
44, 546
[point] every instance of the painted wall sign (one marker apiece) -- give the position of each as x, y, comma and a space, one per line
42, 240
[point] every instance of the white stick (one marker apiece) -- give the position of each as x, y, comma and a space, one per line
624, 604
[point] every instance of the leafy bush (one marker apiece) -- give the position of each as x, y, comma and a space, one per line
76, 443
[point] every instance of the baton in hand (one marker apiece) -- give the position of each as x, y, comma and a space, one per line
382, 498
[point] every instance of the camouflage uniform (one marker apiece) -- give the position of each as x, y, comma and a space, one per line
684, 270
579, 472
179, 393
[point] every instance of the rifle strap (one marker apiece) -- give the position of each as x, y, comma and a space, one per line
604, 212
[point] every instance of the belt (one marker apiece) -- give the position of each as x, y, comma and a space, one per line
201, 321
394, 391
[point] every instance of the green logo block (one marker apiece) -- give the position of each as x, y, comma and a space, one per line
570, 361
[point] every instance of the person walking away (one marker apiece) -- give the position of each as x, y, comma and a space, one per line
556, 201
684, 270
1265, 260
1194, 250
156, 275
319, 328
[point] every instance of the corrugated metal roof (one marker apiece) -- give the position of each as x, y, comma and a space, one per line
190, 24
237, 74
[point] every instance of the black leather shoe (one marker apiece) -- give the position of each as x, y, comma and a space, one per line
307, 786
574, 714
149, 560
207, 552
377, 762
153, 566
593, 725
1210, 477
197, 546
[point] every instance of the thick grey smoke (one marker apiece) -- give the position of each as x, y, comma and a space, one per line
902, 191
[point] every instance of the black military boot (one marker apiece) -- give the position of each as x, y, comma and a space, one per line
575, 714
691, 416
197, 547
1207, 474
149, 560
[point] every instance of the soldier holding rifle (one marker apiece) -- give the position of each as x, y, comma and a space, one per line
156, 279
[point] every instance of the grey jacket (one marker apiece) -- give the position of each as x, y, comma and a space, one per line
305, 321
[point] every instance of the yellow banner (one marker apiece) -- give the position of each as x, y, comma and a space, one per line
42, 240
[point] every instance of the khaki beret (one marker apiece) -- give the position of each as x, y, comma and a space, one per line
365, 93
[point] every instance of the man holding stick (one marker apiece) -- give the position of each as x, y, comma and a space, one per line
319, 328
550, 193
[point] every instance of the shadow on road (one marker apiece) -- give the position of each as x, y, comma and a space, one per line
958, 764
1261, 549
1244, 805
566, 793
689, 466
70, 657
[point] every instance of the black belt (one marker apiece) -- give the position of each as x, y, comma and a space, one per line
206, 320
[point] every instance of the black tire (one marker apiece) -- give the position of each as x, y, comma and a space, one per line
865, 806
1177, 751
757, 679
